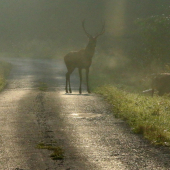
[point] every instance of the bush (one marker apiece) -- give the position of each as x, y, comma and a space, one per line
154, 37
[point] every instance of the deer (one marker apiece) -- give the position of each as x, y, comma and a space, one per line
81, 59
161, 83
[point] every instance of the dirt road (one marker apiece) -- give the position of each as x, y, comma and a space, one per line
34, 109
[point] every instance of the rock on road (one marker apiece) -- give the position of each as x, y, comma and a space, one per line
83, 125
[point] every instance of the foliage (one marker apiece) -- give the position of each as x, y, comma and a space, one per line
122, 86
121, 75
154, 36
146, 115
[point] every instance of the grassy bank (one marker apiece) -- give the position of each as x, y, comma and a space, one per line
4, 72
146, 115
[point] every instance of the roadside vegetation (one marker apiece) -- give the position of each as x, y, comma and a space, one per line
121, 78
146, 115
58, 153
4, 72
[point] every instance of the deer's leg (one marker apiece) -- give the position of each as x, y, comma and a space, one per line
80, 75
152, 92
69, 84
87, 80
67, 76
68, 79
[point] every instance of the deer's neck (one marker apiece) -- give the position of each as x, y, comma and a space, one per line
89, 51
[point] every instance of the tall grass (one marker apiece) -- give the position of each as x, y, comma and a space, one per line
146, 115
149, 116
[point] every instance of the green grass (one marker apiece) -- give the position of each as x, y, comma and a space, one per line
5, 69
58, 153
146, 115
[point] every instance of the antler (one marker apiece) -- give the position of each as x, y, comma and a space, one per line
102, 32
88, 35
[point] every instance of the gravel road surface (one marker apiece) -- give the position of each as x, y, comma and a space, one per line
34, 109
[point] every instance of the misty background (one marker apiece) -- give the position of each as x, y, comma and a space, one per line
51, 28
46, 25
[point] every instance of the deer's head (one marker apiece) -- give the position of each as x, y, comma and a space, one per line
93, 39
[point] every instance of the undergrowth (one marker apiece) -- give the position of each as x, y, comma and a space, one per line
146, 115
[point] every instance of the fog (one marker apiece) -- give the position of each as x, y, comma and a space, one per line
48, 28
26, 25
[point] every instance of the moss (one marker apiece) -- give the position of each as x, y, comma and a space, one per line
58, 153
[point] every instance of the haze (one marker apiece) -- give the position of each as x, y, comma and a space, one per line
48, 28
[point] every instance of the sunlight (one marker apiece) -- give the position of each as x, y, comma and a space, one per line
115, 17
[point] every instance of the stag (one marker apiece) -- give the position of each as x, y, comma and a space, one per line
81, 59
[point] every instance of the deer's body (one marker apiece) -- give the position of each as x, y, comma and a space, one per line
81, 59
161, 83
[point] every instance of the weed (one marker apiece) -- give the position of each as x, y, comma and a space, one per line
58, 153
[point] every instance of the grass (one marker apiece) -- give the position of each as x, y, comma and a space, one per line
146, 115
58, 153
5, 69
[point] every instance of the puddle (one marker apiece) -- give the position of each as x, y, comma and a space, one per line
85, 115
